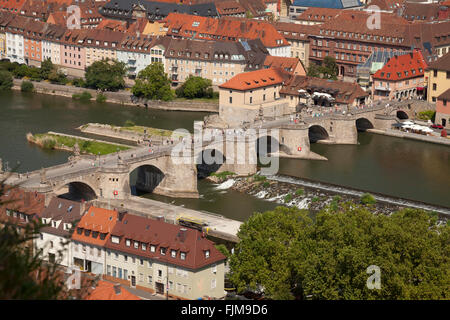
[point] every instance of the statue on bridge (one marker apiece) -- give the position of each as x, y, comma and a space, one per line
43, 177
76, 150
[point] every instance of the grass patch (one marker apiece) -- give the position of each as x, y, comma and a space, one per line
315, 199
367, 198
258, 177
27, 86
100, 98
84, 96
222, 175
266, 184
287, 198
51, 141
150, 131
299, 192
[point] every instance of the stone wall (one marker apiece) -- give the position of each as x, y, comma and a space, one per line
123, 97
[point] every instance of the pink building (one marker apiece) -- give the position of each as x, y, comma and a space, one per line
443, 109
73, 52
401, 77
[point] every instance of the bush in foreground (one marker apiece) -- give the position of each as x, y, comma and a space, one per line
27, 86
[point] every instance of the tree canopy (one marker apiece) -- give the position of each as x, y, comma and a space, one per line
152, 83
6, 80
106, 75
289, 255
195, 87
327, 70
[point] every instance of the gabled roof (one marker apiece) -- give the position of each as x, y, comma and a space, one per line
63, 210
109, 291
445, 95
16, 199
318, 14
255, 79
96, 221
442, 64
407, 66
284, 63
160, 234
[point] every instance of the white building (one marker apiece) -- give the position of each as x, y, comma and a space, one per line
54, 239
14, 47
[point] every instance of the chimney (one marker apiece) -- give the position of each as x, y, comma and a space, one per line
121, 214
117, 289
160, 218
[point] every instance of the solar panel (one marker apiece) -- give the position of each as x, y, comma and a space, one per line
245, 45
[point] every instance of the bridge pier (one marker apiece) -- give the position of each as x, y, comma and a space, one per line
343, 131
295, 141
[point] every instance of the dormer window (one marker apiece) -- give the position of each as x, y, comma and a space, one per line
206, 254
115, 239
144, 246
128, 242
102, 236
79, 230
183, 255
163, 251
136, 244
173, 253
152, 248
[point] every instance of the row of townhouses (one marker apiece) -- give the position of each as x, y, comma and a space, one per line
136, 251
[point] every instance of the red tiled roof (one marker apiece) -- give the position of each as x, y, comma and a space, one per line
410, 65
163, 235
318, 14
284, 63
92, 220
225, 28
105, 291
442, 64
255, 79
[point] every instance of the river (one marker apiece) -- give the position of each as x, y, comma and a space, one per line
400, 168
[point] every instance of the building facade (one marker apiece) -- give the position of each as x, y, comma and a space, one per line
443, 109
437, 77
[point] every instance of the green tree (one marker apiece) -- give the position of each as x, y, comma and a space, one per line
106, 74
27, 86
153, 83
329, 68
46, 68
20, 71
6, 80
56, 76
195, 87
313, 70
289, 256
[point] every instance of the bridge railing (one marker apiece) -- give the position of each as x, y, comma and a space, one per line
72, 175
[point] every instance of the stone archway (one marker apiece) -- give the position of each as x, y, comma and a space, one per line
209, 161
362, 124
77, 191
145, 179
316, 133
402, 115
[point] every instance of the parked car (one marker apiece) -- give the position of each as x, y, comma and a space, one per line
437, 126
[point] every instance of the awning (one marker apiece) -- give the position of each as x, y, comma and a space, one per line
420, 88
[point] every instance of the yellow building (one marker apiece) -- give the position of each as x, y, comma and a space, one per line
437, 77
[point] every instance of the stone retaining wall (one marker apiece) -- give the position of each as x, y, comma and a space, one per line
121, 97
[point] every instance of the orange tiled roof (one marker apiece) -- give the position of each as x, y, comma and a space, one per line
255, 79
226, 28
284, 63
96, 219
105, 291
318, 14
410, 65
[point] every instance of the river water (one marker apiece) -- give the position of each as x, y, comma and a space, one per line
386, 165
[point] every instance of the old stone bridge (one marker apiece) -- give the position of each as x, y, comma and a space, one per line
173, 169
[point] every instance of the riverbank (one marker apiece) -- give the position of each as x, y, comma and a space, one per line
313, 198
412, 136
122, 97
59, 141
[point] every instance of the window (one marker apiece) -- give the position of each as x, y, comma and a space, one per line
214, 268
114, 239
434, 73
231, 100
108, 270
128, 242
213, 283
150, 279
125, 258
114, 273
152, 248
173, 253
149, 263
448, 74
120, 273
159, 273
434, 86
207, 254
51, 244
251, 99
125, 274
144, 246
136, 244
183, 255
141, 262
163, 251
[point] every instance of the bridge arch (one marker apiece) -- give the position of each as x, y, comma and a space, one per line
77, 191
402, 115
209, 161
145, 178
362, 124
316, 133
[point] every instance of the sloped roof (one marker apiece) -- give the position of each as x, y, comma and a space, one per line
66, 211
333, 4
96, 219
109, 291
442, 64
445, 95
255, 79
410, 65
284, 63
161, 234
